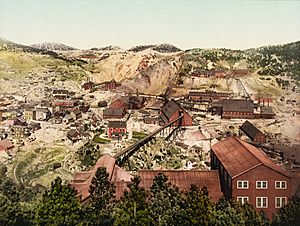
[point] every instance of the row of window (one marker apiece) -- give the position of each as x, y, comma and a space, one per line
244, 184
262, 202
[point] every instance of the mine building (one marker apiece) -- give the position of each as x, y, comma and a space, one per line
171, 111
207, 96
248, 175
237, 108
253, 133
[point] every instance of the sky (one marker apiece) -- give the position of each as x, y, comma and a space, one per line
236, 24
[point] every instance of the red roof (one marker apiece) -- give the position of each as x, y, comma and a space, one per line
6, 145
238, 157
184, 178
82, 180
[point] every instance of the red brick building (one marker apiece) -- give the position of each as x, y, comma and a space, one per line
116, 128
237, 108
110, 85
253, 133
248, 175
172, 111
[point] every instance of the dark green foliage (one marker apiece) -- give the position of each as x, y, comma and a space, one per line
102, 191
289, 215
11, 213
133, 208
167, 203
199, 206
59, 206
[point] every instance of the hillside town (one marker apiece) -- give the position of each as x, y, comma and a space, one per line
119, 125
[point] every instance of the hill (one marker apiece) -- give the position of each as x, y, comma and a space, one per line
53, 46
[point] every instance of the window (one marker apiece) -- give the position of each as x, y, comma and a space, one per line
261, 202
242, 199
261, 184
280, 202
242, 184
280, 184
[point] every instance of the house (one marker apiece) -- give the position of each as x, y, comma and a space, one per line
248, 175
116, 128
60, 94
253, 133
113, 113
152, 120
183, 179
172, 111
119, 177
73, 135
237, 108
266, 112
6, 145
76, 114
88, 85
28, 114
207, 96
128, 102
110, 85
20, 131
42, 114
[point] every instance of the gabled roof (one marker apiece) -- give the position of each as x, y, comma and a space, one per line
114, 111
184, 178
170, 109
250, 130
238, 105
238, 157
82, 180
116, 124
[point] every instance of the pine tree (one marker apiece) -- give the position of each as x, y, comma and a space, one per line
102, 191
167, 203
59, 206
199, 206
133, 208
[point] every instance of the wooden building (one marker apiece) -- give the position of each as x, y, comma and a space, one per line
116, 129
128, 102
237, 108
207, 96
253, 133
248, 175
172, 111
114, 113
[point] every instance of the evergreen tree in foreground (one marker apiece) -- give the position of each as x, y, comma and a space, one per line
133, 208
59, 206
99, 210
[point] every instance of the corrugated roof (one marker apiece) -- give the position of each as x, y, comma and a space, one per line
250, 130
238, 105
184, 178
238, 157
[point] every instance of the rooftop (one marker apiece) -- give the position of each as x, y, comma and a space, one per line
238, 105
184, 178
238, 157
250, 130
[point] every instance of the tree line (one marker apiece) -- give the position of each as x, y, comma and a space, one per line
163, 205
